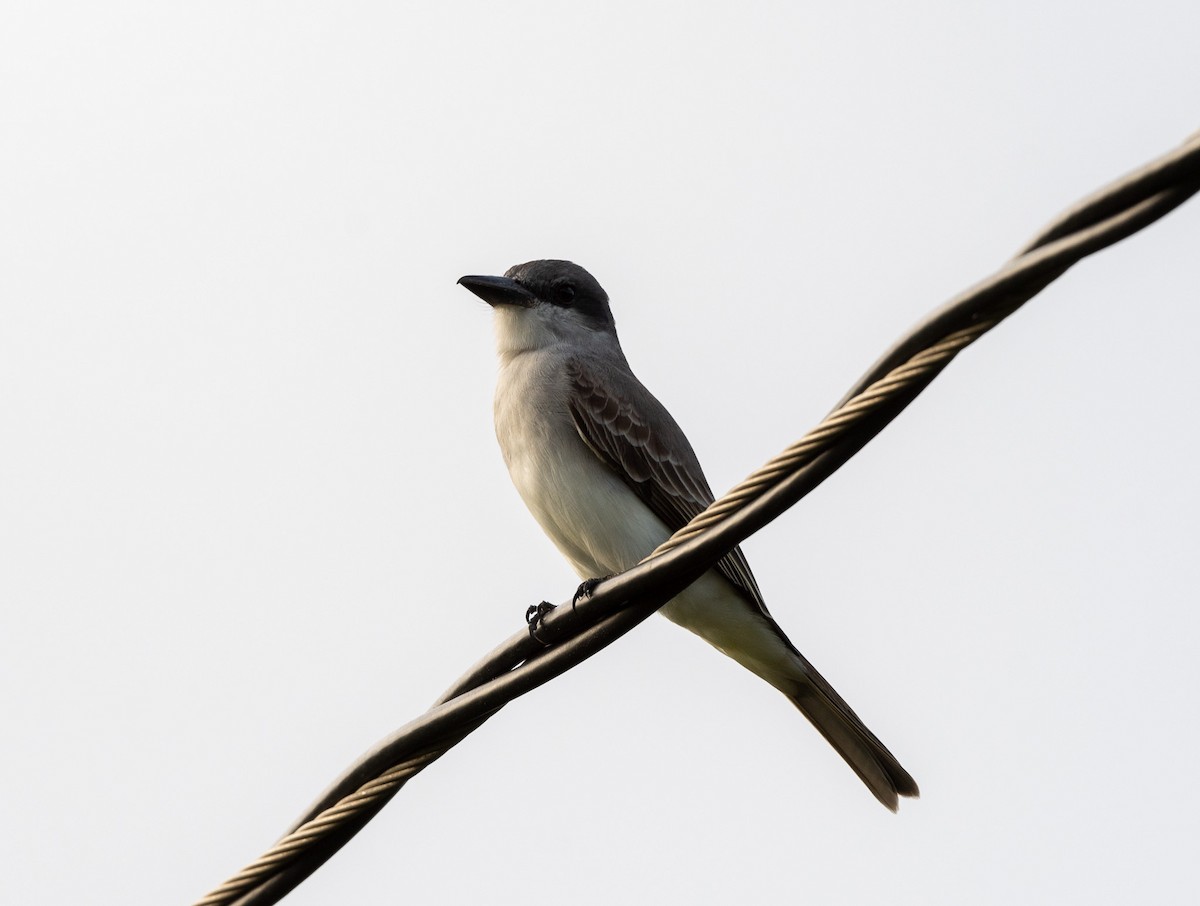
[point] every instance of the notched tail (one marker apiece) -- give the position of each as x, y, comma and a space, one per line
862, 750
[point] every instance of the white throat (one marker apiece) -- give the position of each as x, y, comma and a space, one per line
521, 330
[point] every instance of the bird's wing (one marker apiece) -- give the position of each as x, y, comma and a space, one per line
634, 434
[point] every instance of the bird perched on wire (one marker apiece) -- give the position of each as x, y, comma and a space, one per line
609, 475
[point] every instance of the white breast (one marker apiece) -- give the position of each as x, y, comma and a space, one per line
590, 514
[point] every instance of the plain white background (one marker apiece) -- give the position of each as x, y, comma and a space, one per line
253, 517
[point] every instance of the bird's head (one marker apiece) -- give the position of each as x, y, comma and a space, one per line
540, 303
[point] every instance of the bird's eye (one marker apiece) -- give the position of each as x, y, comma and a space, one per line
563, 294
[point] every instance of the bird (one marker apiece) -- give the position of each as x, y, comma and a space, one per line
608, 474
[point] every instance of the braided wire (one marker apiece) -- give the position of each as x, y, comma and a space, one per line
841, 421
313, 832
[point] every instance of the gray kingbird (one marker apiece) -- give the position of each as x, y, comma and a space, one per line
609, 475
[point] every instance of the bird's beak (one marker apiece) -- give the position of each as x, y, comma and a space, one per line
499, 291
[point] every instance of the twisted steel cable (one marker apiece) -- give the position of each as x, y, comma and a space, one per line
360, 806
574, 633
918, 370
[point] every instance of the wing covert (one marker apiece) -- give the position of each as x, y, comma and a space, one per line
634, 434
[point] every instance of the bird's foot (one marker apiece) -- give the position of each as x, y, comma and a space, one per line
534, 616
586, 587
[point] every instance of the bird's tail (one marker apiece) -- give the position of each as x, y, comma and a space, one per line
869, 758
745, 632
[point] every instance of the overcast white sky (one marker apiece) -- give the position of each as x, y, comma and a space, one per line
253, 516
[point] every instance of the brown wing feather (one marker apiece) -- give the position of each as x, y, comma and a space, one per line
614, 418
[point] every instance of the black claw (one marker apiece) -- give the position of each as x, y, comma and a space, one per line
587, 586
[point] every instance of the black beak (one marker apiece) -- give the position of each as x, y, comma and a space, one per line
499, 291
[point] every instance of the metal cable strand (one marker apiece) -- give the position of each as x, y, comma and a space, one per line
1165, 172
838, 423
618, 604
314, 832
